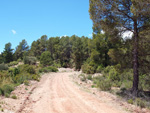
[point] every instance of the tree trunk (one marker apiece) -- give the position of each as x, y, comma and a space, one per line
135, 62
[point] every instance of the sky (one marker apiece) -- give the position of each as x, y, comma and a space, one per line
30, 19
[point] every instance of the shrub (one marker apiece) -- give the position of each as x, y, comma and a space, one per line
48, 69
29, 60
7, 95
113, 75
24, 73
19, 60
46, 59
86, 68
104, 84
35, 77
30, 69
14, 97
13, 71
26, 82
3, 67
126, 84
27, 68
6, 89
89, 77
116, 83
140, 103
130, 101
82, 77
107, 69
126, 75
13, 63
99, 69
144, 83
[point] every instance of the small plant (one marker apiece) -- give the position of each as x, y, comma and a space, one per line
30, 60
130, 101
104, 84
26, 82
48, 69
13, 63
6, 90
2, 110
3, 67
14, 97
82, 77
93, 86
99, 69
7, 95
140, 103
30, 69
89, 77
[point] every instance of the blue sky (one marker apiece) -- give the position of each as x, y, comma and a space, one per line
30, 19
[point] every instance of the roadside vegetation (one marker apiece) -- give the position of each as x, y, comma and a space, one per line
12, 74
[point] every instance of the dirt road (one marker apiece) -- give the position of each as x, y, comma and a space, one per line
56, 93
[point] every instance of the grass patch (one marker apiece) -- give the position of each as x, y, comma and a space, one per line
14, 97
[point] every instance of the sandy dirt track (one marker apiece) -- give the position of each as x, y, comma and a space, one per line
56, 93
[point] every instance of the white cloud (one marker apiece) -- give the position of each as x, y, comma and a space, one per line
90, 35
127, 34
13, 31
63, 36
102, 32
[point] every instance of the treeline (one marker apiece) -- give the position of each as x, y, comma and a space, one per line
63, 52
82, 52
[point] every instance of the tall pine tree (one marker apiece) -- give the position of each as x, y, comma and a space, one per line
122, 16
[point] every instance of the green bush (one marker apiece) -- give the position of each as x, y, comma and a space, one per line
113, 75
6, 89
19, 60
24, 73
130, 101
35, 77
104, 84
127, 84
116, 83
13, 71
86, 68
126, 75
7, 95
82, 77
30, 70
26, 82
140, 103
14, 97
29, 60
144, 83
27, 68
13, 63
3, 67
89, 77
48, 69
46, 59
99, 69
107, 69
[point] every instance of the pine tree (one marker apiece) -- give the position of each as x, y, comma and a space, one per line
121, 16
